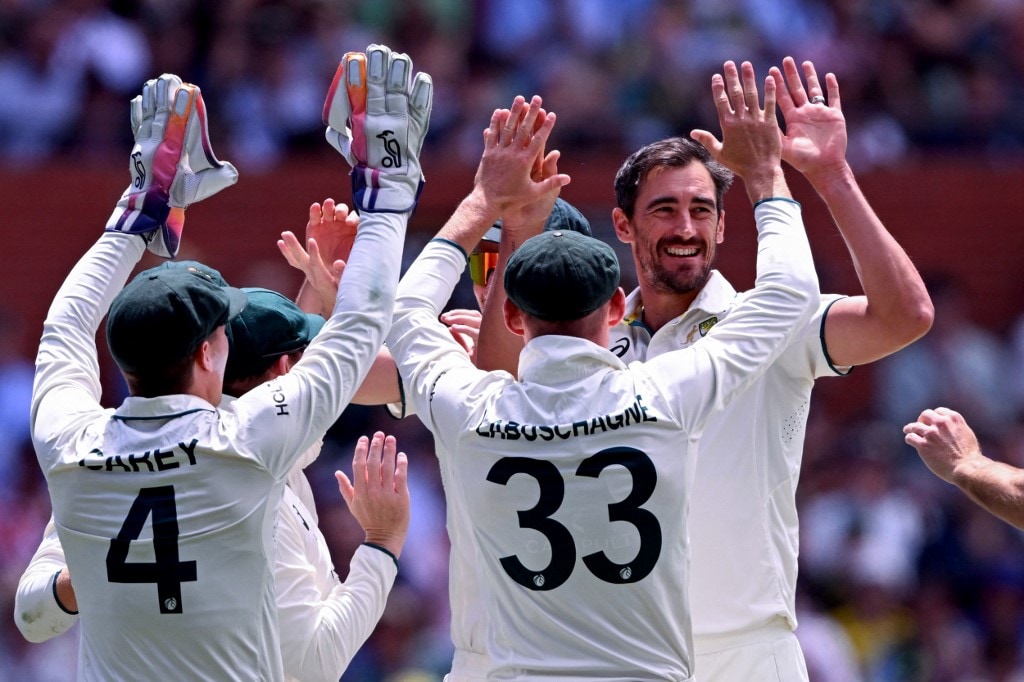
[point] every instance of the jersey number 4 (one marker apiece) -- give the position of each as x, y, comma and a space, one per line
166, 570
563, 547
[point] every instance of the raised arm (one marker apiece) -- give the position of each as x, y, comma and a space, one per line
330, 233
171, 166
739, 348
417, 339
950, 449
321, 633
377, 113
895, 309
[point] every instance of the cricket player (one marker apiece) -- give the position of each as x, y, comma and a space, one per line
669, 197
165, 506
570, 481
323, 621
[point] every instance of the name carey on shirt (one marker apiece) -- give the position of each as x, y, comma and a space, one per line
509, 430
160, 459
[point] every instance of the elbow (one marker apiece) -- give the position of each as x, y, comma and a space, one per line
25, 623
916, 321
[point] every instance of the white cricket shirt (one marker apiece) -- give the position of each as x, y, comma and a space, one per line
571, 484
743, 520
165, 507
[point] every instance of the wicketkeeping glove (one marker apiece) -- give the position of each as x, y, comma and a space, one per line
377, 115
172, 164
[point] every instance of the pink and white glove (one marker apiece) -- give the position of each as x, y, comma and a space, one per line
172, 164
378, 121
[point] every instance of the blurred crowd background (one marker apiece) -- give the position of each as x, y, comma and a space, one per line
902, 578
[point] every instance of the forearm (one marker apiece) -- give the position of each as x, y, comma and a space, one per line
417, 340
67, 350
344, 619
498, 347
996, 486
767, 182
894, 288
469, 222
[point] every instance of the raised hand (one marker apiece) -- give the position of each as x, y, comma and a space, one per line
330, 232
751, 143
172, 164
377, 114
464, 326
378, 494
815, 139
516, 177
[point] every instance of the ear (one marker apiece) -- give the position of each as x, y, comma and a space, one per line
203, 356
280, 366
513, 318
617, 307
720, 236
623, 230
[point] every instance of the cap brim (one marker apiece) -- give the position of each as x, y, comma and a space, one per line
237, 300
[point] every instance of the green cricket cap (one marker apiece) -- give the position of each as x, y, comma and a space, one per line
270, 326
165, 313
561, 275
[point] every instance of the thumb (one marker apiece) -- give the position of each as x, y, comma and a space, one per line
345, 487
213, 180
555, 182
709, 141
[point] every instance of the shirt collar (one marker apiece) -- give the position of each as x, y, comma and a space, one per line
553, 360
161, 407
714, 298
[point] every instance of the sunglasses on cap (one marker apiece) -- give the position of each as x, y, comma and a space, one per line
481, 265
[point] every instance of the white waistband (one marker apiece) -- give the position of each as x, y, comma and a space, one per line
468, 666
777, 628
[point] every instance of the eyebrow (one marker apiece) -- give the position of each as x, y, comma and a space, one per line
668, 199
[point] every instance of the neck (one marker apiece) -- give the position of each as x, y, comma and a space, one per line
659, 308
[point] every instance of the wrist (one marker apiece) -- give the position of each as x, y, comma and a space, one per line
968, 470
389, 546
832, 178
765, 183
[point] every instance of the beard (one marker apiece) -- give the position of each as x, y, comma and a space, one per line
679, 280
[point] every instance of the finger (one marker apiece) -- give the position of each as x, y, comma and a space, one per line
915, 441
813, 85
525, 130
733, 86
348, 493
832, 84
751, 99
467, 330
373, 460
292, 251
359, 462
720, 96
793, 82
493, 132
401, 481
769, 98
313, 250
388, 463
549, 166
540, 139
508, 131
315, 215
782, 98
328, 209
